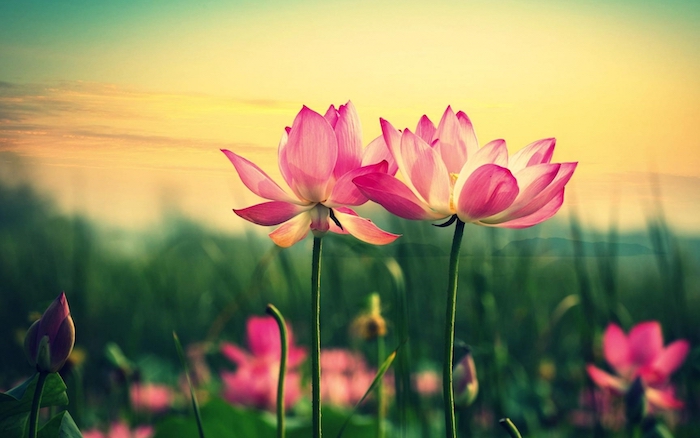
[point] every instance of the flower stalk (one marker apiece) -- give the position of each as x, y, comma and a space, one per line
316, 337
36, 404
272, 311
447, 388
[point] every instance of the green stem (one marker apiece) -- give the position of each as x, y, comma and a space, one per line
381, 353
36, 404
510, 427
447, 389
316, 337
272, 311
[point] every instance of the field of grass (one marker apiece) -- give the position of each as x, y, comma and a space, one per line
532, 304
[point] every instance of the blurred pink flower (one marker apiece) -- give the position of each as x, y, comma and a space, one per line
345, 377
254, 382
151, 397
318, 156
446, 173
609, 410
427, 382
120, 430
641, 354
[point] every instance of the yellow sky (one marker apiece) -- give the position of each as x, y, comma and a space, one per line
121, 125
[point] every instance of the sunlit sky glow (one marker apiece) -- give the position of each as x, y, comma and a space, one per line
119, 108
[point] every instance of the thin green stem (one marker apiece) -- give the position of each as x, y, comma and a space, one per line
193, 394
36, 404
447, 389
272, 311
381, 409
510, 427
316, 337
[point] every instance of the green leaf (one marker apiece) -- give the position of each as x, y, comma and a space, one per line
13, 426
19, 399
60, 426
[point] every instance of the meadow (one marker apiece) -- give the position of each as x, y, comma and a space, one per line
532, 304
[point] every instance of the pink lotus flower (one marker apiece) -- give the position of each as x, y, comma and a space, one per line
641, 355
151, 397
319, 156
426, 382
345, 377
254, 382
120, 430
446, 173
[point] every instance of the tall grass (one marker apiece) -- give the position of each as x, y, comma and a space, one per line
532, 303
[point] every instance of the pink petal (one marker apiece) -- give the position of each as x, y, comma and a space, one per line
376, 152
282, 159
395, 196
663, 399
263, 336
671, 358
489, 190
538, 152
616, 349
311, 154
467, 134
392, 139
349, 134
605, 380
331, 115
235, 354
364, 229
425, 129
270, 213
345, 192
292, 231
425, 171
494, 152
256, 180
646, 342
451, 145
535, 218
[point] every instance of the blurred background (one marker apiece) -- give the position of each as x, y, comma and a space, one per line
113, 188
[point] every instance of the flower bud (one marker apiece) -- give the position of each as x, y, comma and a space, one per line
464, 381
49, 341
370, 324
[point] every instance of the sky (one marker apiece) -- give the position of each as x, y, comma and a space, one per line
117, 110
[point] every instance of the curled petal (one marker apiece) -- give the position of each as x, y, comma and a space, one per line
646, 342
345, 192
489, 190
292, 231
451, 145
395, 196
537, 152
425, 171
256, 180
270, 213
425, 129
311, 153
616, 349
605, 380
376, 152
348, 131
364, 229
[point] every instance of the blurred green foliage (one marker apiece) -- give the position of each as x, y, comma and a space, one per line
532, 303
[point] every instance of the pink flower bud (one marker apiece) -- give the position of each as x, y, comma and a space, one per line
49, 341
464, 381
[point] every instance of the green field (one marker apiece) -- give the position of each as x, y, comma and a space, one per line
532, 304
